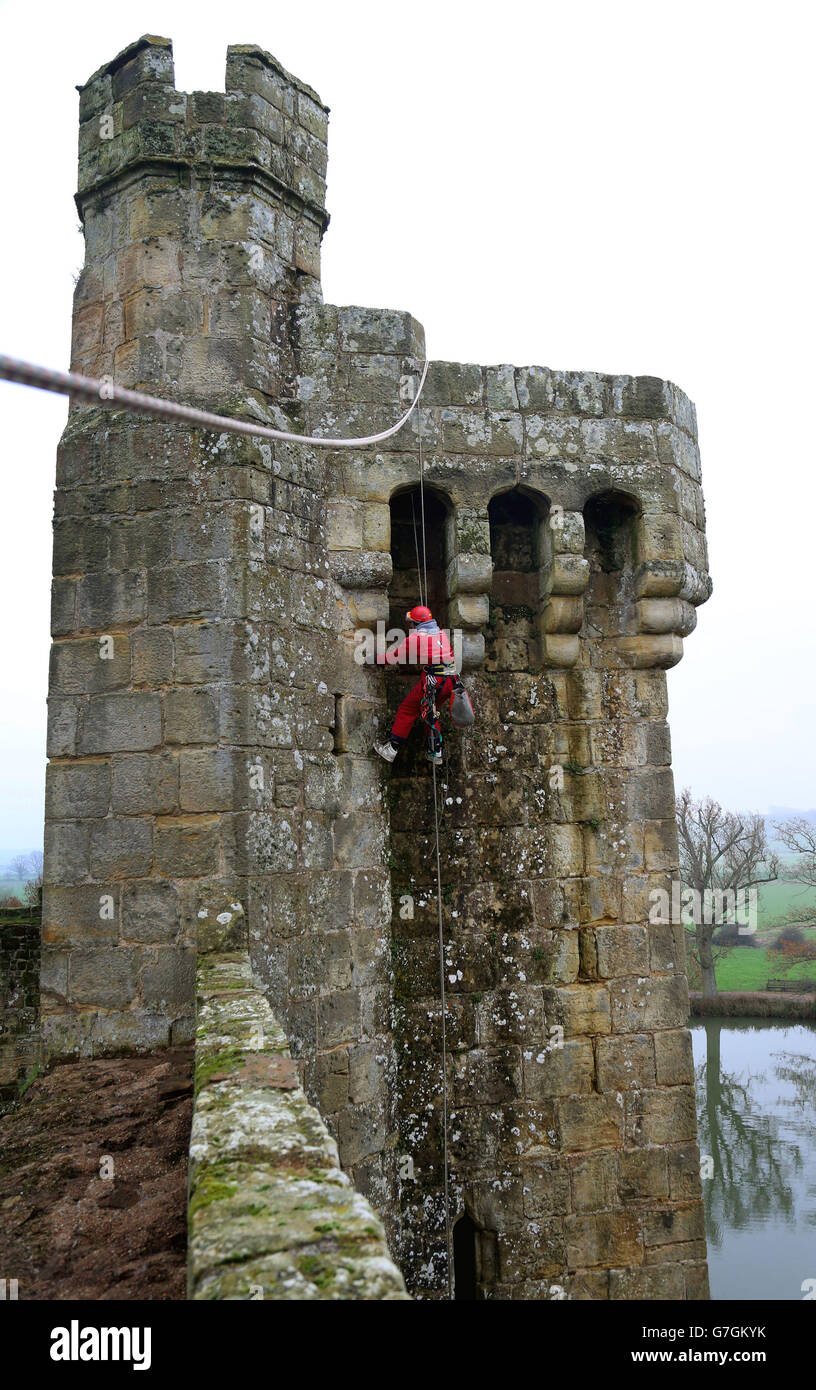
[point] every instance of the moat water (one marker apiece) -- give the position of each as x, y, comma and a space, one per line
756, 1108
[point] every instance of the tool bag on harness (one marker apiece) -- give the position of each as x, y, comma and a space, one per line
461, 710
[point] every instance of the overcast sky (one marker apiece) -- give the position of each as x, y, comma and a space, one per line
616, 187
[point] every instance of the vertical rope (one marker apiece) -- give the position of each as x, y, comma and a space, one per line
448, 1250
416, 548
422, 497
444, 1044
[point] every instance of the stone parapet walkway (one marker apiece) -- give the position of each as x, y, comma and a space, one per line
271, 1214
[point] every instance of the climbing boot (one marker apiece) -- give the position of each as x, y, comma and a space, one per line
434, 755
386, 750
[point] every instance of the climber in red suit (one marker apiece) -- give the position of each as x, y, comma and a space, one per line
426, 645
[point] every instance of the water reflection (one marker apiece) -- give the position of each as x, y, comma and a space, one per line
756, 1107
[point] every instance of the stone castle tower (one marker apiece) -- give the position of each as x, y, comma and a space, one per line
210, 731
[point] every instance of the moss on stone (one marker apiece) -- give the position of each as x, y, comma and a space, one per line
269, 1205
224, 1060
517, 613
209, 1190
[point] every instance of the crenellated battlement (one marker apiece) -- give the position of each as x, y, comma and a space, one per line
264, 121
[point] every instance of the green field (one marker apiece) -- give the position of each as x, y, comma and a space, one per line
743, 968
747, 967
777, 900
11, 886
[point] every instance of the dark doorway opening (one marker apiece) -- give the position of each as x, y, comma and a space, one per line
515, 547
514, 521
465, 1233
405, 591
610, 520
407, 554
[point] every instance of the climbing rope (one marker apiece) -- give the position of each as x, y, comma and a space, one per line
444, 1042
422, 501
448, 1249
104, 393
416, 548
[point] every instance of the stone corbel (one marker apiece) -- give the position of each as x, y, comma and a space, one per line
564, 572
358, 542
667, 589
469, 581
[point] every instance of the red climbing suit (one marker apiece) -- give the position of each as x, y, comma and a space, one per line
426, 646
411, 707
420, 648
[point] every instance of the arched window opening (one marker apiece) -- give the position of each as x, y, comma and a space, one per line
465, 1270
610, 522
516, 520
407, 554
406, 591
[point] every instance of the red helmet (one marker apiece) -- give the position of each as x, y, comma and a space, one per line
420, 614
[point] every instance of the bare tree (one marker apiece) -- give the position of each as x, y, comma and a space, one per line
719, 851
29, 867
798, 835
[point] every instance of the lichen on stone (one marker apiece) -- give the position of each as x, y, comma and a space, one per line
270, 1213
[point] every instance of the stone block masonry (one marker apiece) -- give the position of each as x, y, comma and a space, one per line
210, 732
271, 1214
19, 999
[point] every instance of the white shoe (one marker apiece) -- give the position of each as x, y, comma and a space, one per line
434, 758
386, 751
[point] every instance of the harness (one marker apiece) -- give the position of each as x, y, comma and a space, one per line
432, 678
428, 710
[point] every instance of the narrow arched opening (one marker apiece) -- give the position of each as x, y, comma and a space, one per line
516, 519
411, 563
419, 576
610, 520
465, 1263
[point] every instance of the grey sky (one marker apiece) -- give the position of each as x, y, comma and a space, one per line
621, 188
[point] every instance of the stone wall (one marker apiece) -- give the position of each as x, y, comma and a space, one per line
210, 729
271, 1215
572, 555
19, 998
192, 705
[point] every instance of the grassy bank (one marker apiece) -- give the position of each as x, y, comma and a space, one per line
754, 1004
750, 967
